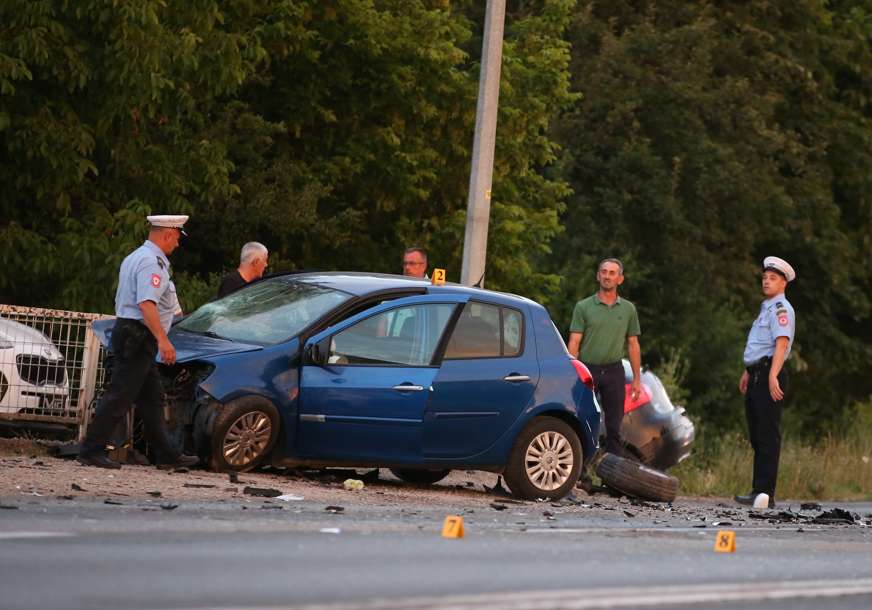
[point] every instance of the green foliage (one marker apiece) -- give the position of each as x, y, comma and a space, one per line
710, 135
688, 139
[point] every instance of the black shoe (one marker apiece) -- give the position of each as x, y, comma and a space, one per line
100, 460
748, 500
182, 461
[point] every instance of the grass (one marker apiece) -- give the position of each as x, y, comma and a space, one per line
834, 468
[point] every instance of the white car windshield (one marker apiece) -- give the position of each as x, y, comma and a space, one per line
267, 312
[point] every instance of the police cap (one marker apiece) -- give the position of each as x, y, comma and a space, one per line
779, 265
169, 221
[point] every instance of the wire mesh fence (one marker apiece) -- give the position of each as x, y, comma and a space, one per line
51, 364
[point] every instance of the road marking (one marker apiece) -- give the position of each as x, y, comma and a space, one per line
26, 535
617, 597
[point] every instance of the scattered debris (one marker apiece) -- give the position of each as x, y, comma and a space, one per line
199, 485
496, 506
629, 514
497, 489
8, 507
154, 494
233, 476
330, 530
290, 498
549, 515
836, 516
271, 507
76, 487
68, 497
810, 506
353, 484
113, 502
334, 509
169, 506
370, 477
261, 492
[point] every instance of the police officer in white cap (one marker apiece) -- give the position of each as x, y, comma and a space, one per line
765, 379
145, 304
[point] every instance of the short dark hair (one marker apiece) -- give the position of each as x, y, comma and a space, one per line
612, 260
411, 249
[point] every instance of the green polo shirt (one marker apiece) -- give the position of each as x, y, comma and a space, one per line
605, 328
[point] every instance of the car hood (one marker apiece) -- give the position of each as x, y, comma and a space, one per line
189, 346
28, 340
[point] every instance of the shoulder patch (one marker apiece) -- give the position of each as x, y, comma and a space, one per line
779, 304
160, 262
783, 320
155, 280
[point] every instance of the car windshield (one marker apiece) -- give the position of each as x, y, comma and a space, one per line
267, 312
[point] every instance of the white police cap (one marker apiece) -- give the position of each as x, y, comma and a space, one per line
780, 265
168, 220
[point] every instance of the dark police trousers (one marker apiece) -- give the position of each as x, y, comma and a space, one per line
135, 379
610, 385
764, 426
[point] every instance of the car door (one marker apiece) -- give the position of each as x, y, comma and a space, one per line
485, 381
366, 401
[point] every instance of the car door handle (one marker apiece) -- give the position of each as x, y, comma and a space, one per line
405, 387
516, 377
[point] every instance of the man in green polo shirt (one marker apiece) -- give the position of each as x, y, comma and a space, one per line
601, 325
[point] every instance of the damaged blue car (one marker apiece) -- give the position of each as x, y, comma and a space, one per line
369, 370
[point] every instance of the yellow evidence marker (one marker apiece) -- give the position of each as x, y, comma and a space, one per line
725, 541
453, 527
438, 277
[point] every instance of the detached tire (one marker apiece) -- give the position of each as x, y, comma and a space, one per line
635, 479
244, 434
545, 460
420, 477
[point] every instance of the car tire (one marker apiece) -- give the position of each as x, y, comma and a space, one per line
244, 434
419, 477
635, 479
545, 460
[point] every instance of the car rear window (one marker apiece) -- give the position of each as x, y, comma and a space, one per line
486, 331
266, 312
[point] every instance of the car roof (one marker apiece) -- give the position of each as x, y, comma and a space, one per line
363, 283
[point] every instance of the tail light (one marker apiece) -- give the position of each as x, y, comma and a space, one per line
583, 373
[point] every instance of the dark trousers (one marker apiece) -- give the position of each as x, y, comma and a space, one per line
610, 385
135, 379
764, 427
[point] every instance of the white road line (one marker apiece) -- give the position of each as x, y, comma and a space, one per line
623, 597
25, 535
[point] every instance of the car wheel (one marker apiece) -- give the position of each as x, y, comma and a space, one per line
419, 477
244, 434
635, 479
545, 460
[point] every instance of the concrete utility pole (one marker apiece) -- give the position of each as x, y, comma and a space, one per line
478, 204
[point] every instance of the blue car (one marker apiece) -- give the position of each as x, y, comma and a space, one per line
369, 370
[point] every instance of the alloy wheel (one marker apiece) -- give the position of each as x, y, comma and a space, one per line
548, 460
247, 438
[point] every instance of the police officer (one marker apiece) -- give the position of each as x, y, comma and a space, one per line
145, 304
765, 379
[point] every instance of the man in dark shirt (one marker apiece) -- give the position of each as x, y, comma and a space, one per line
252, 263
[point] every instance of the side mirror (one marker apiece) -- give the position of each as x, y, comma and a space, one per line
320, 352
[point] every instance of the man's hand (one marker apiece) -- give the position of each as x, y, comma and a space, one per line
743, 382
775, 388
167, 351
635, 388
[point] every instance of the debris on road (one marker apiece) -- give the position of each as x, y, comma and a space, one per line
261, 492
154, 494
113, 502
334, 509
290, 498
169, 506
76, 487
353, 484
330, 530
199, 485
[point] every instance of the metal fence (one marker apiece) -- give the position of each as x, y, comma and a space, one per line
51, 364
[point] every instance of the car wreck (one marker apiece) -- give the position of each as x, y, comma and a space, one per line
369, 370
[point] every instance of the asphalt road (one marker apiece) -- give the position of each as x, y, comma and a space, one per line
606, 554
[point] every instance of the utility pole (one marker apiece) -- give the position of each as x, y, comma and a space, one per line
481, 177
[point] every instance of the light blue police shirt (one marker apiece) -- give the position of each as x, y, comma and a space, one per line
145, 276
776, 319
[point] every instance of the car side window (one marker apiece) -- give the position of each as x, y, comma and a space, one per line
405, 336
486, 331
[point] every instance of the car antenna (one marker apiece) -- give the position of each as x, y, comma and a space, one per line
480, 282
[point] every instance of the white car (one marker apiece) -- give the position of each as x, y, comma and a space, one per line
33, 378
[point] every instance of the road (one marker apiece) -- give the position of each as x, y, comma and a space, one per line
599, 552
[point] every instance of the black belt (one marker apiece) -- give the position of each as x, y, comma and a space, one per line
764, 363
